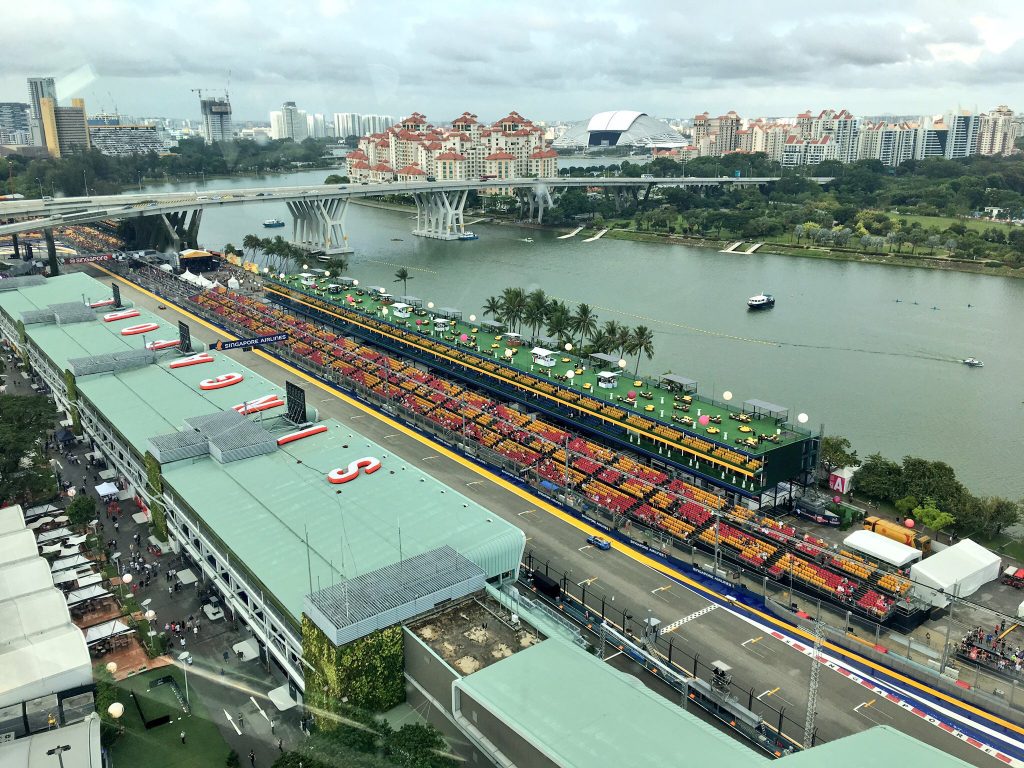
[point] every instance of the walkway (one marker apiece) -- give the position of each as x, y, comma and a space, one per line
571, 234
598, 236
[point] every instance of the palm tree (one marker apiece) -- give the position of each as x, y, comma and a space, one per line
534, 316
402, 276
337, 265
602, 342
584, 322
513, 303
611, 329
559, 321
641, 342
494, 308
623, 339
538, 298
251, 243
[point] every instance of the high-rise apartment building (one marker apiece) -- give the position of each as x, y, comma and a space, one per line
216, 119
39, 88
65, 128
347, 124
316, 126
889, 143
289, 123
15, 123
717, 136
962, 139
375, 124
998, 131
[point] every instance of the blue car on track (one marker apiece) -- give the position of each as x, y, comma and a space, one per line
597, 541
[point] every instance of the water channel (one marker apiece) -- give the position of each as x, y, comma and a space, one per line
872, 352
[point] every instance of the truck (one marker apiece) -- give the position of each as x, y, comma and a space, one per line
896, 532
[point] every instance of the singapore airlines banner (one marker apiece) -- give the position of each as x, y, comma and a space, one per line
243, 343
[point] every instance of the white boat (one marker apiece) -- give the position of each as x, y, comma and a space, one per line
526, 239
271, 223
761, 301
972, 362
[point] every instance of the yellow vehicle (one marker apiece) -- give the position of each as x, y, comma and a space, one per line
896, 532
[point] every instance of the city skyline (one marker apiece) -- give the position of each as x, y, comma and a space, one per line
916, 59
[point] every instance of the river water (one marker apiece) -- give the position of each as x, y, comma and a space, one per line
837, 346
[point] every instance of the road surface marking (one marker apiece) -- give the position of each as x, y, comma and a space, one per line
588, 546
660, 589
771, 692
475, 482
388, 437
757, 617
864, 704
258, 707
232, 721
527, 512
587, 582
431, 456
679, 622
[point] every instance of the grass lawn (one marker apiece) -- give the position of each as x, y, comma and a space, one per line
942, 222
1005, 545
203, 746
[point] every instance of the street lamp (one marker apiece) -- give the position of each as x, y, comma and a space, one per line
150, 615
727, 395
85, 183
125, 579
59, 751
41, 195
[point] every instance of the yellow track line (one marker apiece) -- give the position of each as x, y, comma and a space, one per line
579, 524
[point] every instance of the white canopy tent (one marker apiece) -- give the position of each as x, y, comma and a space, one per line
197, 280
17, 546
880, 547
186, 577
959, 571
55, 660
67, 563
86, 594
107, 629
107, 489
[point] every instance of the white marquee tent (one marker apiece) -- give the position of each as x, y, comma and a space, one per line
880, 547
959, 570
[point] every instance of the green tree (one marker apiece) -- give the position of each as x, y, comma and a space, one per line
879, 477
641, 342
835, 453
513, 305
933, 517
24, 471
402, 276
337, 265
493, 308
932, 479
559, 322
583, 322
418, 746
906, 505
82, 509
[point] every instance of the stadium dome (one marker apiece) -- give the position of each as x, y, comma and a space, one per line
620, 128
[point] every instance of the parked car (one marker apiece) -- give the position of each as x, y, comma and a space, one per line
431, 178
599, 543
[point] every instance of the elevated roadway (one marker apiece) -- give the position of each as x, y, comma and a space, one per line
318, 211
778, 672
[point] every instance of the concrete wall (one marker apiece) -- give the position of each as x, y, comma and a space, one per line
508, 742
429, 670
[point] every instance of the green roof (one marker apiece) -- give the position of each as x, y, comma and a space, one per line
580, 711
263, 508
878, 747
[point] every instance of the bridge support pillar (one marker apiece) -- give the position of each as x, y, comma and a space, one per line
539, 197
439, 215
319, 225
51, 252
183, 228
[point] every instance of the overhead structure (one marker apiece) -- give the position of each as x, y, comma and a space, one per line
439, 215
957, 571
318, 224
620, 128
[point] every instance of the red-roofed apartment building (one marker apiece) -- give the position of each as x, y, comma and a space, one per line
512, 147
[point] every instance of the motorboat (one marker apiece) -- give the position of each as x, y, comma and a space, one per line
526, 239
761, 301
468, 236
972, 362
272, 223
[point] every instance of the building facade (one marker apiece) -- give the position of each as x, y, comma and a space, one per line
289, 123
347, 124
66, 128
998, 131
123, 140
216, 120
512, 147
39, 88
15, 123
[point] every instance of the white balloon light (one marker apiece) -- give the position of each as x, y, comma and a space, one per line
727, 395
802, 418
126, 578
622, 363
111, 667
430, 305
115, 710
568, 347
472, 318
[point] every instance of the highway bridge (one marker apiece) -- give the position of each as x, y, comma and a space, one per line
318, 211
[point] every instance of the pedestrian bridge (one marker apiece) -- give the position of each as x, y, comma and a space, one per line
318, 212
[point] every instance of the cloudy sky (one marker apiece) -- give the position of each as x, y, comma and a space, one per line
547, 59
